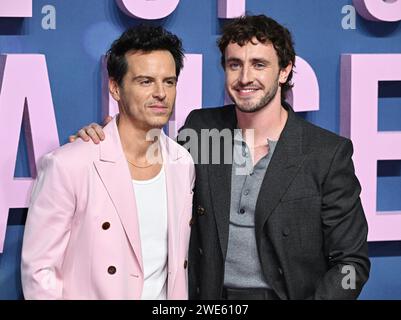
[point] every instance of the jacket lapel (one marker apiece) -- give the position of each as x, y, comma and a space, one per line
284, 165
175, 205
220, 190
220, 183
114, 173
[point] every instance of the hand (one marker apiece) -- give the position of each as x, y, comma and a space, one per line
93, 131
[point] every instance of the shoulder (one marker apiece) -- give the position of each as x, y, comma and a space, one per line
317, 137
71, 156
216, 117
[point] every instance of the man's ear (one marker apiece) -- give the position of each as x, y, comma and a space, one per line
284, 73
114, 89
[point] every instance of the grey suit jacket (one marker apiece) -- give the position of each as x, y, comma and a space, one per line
310, 227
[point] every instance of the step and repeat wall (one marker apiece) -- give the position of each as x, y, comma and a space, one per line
347, 80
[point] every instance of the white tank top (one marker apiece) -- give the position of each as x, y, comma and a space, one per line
151, 203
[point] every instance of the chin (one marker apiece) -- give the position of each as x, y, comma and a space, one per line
248, 107
158, 124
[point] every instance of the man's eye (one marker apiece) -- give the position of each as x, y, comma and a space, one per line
145, 82
171, 83
233, 66
259, 65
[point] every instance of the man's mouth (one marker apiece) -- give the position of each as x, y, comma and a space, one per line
246, 91
158, 108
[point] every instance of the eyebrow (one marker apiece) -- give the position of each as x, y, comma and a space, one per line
265, 61
254, 60
233, 60
153, 78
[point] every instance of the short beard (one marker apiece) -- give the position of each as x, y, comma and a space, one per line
263, 102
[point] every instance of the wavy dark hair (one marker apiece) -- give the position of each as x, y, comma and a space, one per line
144, 38
243, 29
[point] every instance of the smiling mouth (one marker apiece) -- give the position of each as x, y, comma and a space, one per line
246, 91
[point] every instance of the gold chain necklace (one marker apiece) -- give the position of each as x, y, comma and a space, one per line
141, 167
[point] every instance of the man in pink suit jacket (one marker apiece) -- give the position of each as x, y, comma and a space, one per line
87, 234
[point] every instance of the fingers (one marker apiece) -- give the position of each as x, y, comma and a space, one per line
98, 130
72, 138
92, 132
82, 134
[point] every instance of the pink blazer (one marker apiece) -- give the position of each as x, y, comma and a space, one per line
81, 237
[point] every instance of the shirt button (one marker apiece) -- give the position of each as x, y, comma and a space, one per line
246, 192
105, 225
111, 270
251, 173
185, 264
242, 211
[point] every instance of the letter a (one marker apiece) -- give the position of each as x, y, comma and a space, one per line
24, 85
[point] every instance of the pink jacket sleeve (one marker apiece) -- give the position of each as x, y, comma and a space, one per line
47, 231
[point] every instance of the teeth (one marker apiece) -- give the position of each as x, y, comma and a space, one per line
247, 90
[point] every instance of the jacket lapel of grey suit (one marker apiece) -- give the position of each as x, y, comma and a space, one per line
284, 165
286, 161
220, 185
220, 189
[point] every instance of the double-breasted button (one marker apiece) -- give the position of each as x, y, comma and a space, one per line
111, 270
286, 231
200, 251
280, 271
185, 264
105, 225
200, 210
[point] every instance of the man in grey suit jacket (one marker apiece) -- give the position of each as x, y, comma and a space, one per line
292, 226
282, 217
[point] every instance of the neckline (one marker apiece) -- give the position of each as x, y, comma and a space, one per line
151, 180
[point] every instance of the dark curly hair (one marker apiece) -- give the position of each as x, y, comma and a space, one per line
142, 38
243, 29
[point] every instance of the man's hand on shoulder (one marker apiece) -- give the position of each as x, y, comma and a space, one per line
92, 132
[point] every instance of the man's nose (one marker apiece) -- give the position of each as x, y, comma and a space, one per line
245, 76
159, 92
